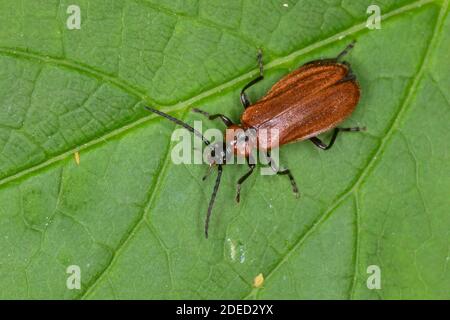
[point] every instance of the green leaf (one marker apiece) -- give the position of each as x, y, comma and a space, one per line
133, 221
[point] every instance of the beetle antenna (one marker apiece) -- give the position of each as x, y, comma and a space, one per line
208, 172
213, 198
346, 50
181, 123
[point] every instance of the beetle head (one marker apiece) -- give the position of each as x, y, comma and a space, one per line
218, 153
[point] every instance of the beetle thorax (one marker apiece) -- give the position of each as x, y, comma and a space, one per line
241, 140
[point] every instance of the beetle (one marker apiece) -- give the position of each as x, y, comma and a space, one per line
308, 101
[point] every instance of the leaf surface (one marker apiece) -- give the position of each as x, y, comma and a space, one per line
133, 221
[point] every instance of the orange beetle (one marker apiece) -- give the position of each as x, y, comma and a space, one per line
305, 103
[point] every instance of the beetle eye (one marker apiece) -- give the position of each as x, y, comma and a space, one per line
242, 137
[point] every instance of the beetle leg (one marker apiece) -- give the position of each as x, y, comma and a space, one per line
282, 173
323, 146
291, 178
244, 98
349, 77
346, 50
241, 180
227, 121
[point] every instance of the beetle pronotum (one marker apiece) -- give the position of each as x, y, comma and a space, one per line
305, 103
